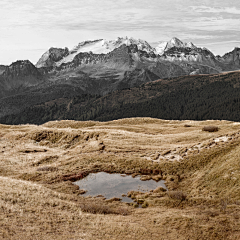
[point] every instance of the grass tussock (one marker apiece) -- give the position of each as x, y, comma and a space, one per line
47, 169
46, 160
98, 208
67, 138
177, 195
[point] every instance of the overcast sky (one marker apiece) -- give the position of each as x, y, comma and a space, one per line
29, 27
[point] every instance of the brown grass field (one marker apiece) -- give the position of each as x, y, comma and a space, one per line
201, 169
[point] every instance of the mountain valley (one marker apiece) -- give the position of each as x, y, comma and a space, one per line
169, 113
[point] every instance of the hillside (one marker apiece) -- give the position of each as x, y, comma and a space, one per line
197, 97
201, 171
100, 67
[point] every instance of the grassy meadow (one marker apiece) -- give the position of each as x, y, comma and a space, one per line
201, 170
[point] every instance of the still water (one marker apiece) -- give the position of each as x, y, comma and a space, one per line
115, 185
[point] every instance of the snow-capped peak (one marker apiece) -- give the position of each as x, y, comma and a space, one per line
105, 46
174, 42
190, 45
53, 55
102, 46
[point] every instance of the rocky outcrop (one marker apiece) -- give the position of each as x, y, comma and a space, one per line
52, 56
21, 69
121, 57
83, 58
191, 55
2, 69
232, 58
17, 76
174, 42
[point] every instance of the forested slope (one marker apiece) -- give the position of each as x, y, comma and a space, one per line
198, 97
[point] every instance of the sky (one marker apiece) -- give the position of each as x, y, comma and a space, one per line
28, 28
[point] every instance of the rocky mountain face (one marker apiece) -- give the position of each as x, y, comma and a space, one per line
190, 58
52, 56
19, 76
174, 42
102, 46
21, 69
232, 58
2, 68
99, 67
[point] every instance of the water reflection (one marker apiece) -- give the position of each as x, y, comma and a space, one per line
115, 185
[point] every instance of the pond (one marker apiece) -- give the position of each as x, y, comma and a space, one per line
115, 185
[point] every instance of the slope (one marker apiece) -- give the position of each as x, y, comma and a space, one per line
36, 202
196, 97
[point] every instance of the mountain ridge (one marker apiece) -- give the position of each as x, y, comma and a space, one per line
174, 51
126, 63
103, 46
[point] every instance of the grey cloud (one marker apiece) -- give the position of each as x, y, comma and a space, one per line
206, 9
203, 21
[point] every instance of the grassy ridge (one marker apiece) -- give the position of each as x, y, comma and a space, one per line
38, 200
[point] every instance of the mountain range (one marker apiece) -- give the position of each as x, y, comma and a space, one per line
99, 67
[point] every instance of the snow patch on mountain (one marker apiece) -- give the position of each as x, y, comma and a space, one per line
160, 49
174, 51
102, 46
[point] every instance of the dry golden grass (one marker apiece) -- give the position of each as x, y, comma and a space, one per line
201, 170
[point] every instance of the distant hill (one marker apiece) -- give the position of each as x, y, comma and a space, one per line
197, 97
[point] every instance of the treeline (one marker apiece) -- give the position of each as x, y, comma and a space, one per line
191, 97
